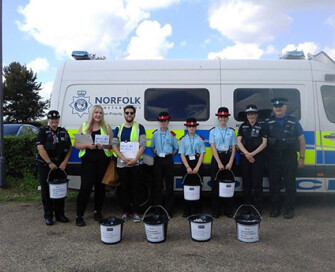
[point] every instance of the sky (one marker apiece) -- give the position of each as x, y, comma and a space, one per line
42, 34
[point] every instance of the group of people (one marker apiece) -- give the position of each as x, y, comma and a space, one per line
274, 142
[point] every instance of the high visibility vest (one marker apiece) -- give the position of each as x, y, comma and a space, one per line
103, 132
134, 134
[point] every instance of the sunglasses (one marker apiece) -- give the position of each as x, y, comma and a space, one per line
129, 112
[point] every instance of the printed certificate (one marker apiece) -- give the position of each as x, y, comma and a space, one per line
83, 138
129, 149
102, 139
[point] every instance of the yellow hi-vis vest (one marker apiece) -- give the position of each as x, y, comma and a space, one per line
134, 134
103, 132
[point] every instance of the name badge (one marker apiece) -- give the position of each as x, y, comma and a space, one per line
223, 148
191, 158
161, 155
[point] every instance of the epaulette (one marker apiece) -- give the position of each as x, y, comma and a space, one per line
202, 137
154, 131
172, 133
211, 128
232, 128
181, 137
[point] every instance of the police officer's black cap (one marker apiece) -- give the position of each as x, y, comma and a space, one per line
279, 101
223, 111
191, 122
53, 114
163, 116
251, 108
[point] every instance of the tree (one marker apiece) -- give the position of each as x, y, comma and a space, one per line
22, 102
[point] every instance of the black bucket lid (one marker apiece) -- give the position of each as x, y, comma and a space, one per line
248, 219
156, 219
111, 221
200, 218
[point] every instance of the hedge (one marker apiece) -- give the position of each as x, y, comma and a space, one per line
20, 156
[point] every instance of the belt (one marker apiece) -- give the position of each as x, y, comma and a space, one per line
224, 152
166, 156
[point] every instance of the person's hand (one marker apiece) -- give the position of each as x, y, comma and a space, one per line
99, 146
229, 166
189, 170
90, 146
62, 166
248, 156
301, 163
195, 170
53, 166
131, 162
220, 165
251, 160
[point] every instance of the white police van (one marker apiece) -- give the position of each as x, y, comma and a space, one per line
197, 88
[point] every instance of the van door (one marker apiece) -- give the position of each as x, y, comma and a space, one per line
325, 139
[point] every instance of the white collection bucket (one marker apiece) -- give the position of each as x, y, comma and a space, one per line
192, 191
226, 186
247, 224
57, 186
111, 230
201, 227
155, 224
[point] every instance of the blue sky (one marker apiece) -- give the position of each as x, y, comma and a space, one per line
42, 33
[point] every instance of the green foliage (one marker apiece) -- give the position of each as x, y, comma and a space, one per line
21, 94
20, 156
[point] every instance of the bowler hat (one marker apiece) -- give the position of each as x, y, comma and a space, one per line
191, 122
163, 116
223, 111
53, 114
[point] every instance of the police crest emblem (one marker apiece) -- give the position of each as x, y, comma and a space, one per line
81, 104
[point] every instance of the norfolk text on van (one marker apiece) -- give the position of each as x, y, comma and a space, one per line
197, 88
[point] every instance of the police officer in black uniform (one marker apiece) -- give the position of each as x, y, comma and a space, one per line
251, 141
285, 138
54, 150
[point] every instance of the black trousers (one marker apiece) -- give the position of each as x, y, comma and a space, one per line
51, 207
92, 173
252, 178
130, 181
164, 180
220, 204
192, 206
282, 170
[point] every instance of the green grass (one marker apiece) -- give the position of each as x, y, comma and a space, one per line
25, 189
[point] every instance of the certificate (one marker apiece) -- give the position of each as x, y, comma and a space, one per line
129, 149
83, 138
101, 139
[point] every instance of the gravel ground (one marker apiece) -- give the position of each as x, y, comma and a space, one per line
304, 243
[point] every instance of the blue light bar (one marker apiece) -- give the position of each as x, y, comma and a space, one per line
81, 55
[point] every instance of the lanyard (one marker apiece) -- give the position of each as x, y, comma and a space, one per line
223, 136
191, 144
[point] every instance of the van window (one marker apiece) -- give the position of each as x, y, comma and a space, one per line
180, 103
328, 98
261, 97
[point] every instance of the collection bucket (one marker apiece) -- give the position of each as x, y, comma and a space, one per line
111, 230
192, 189
226, 185
57, 184
201, 227
247, 223
156, 224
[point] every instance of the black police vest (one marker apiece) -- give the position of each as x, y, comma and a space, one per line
57, 143
282, 138
251, 137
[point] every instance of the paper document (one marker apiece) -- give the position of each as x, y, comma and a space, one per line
102, 139
83, 138
129, 149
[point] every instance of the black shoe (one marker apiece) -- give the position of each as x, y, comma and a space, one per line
80, 221
229, 214
62, 218
49, 221
216, 215
185, 214
274, 213
289, 214
97, 216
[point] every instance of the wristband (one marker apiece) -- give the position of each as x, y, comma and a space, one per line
49, 162
302, 157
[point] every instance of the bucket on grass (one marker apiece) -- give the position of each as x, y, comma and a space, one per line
111, 230
201, 227
192, 186
248, 221
156, 223
58, 182
226, 184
